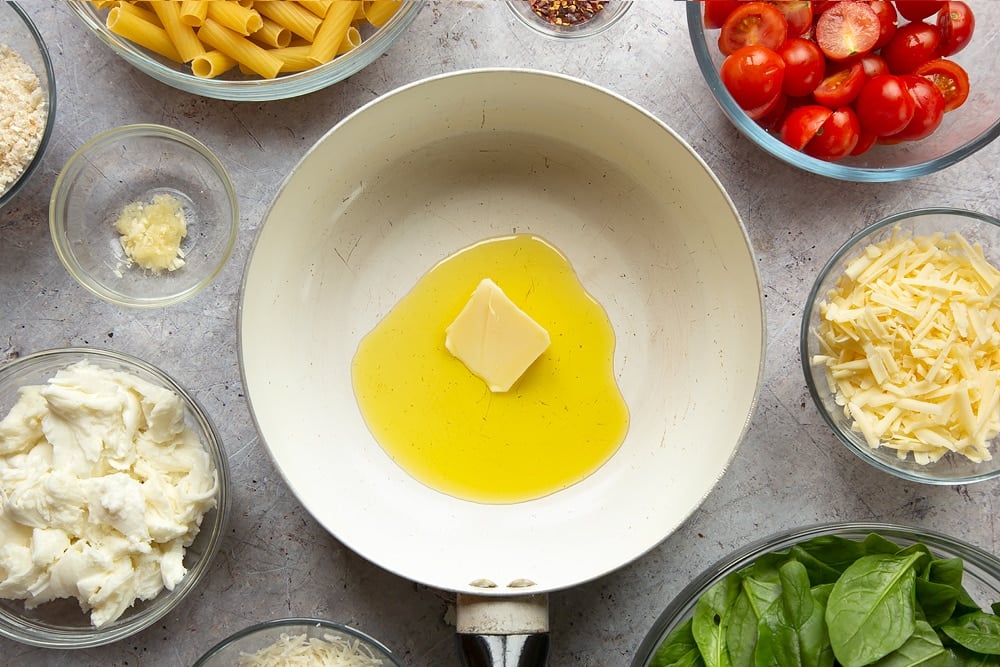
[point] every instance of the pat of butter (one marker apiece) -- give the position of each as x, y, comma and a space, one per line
494, 338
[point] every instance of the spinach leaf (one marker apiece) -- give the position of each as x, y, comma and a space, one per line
871, 609
744, 616
792, 631
963, 657
707, 624
679, 649
877, 544
936, 600
976, 631
835, 552
922, 649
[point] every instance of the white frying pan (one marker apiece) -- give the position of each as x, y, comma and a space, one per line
427, 170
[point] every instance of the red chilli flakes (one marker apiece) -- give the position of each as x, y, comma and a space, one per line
567, 12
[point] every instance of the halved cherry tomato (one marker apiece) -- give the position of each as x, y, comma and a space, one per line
928, 109
873, 64
884, 106
918, 10
911, 46
865, 141
770, 115
716, 12
802, 123
753, 23
842, 87
753, 75
956, 23
837, 137
887, 20
805, 66
847, 29
798, 14
950, 78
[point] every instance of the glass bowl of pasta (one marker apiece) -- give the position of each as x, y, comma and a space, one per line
302, 641
899, 345
28, 111
156, 233
248, 51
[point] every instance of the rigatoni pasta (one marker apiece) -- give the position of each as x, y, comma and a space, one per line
261, 37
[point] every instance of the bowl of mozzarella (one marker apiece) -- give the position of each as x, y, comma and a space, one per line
899, 345
299, 641
115, 497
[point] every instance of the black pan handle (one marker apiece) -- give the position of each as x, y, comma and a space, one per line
503, 631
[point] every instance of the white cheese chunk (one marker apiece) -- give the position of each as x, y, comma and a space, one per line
496, 340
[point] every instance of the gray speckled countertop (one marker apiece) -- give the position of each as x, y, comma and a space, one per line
276, 561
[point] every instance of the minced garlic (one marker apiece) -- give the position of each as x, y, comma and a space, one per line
151, 232
910, 342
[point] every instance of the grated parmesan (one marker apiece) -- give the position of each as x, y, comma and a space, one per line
23, 113
910, 343
328, 651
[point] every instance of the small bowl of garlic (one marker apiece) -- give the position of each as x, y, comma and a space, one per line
143, 215
899, 345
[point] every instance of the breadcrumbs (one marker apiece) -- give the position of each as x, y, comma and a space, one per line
22, 115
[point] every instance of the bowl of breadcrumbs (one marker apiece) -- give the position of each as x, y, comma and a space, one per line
27, 98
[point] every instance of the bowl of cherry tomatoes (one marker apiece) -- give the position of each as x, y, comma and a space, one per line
858, 90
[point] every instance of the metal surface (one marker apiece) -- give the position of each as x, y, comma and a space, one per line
276, 561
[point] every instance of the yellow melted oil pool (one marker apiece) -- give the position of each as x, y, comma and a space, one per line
562, 420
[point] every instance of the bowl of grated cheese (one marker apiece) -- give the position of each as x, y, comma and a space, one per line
143, 215
900, 345
299, 641
27, 99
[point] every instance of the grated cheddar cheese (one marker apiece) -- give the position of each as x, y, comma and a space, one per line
910, 343
330, 651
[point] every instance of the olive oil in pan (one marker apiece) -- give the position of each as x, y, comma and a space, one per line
562, 420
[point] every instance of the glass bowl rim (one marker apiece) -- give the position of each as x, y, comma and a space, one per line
292, 622
830, 266
255, 90
166, 601
57, 222
50, 116
579, 31
776, 148
785, 538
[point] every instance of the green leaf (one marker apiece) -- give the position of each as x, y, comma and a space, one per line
871, 609
922, 649
963, 657
792, 631
679, 649
755, 596
708, 621
976, 631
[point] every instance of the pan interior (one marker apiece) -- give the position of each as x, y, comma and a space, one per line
444, 163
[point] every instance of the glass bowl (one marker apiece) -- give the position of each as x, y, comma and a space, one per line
147, 161
612, 12
981, 572
61, 623
228, 652
962, 132
238, 87
20, 35
952, 468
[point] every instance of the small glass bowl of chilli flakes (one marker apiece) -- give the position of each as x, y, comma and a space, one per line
569, 19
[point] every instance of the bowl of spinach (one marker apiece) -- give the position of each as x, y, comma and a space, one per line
844, 594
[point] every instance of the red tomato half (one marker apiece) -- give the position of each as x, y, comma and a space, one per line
837, 137
912, 46
950, 78
956, 23
805, 66
928, 109
753, 75
798, 14
842, 87
918, 10
753, 23
716, 12
847, 29
865, 141
802, 124
884, 106
873, 64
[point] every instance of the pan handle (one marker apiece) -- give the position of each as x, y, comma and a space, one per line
503, 631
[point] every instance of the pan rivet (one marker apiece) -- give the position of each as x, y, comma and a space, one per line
482, 583
521, 583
